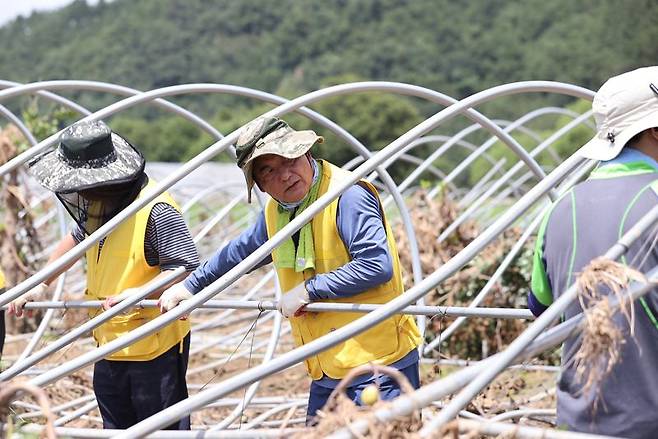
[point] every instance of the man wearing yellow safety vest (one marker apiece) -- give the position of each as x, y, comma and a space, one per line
96, 173
345, 254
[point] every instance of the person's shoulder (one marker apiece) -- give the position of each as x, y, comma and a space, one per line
357, 195
162, 207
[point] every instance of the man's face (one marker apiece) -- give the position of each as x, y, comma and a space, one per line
286, 180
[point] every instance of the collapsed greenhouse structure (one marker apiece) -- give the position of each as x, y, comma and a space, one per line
245, 378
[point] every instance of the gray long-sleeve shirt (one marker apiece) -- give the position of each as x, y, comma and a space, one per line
581, 226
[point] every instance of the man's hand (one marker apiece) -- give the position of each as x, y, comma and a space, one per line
292, 302
173, 296
16, 307
113, 300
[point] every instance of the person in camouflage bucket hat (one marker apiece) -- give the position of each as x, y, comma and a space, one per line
96, 173
346, 253
91, 163
270, 135
89, 155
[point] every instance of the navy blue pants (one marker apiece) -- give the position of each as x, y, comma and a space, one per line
131, 391
388, 389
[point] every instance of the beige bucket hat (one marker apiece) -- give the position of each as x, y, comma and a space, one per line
624, 106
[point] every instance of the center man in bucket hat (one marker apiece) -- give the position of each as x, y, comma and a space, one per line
96, 173
582, 225
347, 253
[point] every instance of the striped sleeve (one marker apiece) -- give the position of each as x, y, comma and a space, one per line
168, 242
78, 234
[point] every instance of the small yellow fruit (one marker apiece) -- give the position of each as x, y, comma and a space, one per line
370, 395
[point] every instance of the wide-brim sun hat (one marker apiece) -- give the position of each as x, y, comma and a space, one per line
270, 135
624, 106
89, 155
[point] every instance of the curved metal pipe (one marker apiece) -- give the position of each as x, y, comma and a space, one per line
341, 334
11, 117
552, 138
50, 96
403, 87
59, 289
476, 190
491, 141
169, 91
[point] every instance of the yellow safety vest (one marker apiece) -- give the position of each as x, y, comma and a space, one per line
2, 279
122, 265
386, 342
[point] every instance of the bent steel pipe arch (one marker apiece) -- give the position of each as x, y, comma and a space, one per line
491, 141
543, 86
320, 119
400, 88
4, 84
341, 334
164, 183
25, 131
364, 168
404, 157
513, 170
169, 91
341, 133
403, 89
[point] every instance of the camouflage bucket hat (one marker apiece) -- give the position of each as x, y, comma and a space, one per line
270, 135
89, 155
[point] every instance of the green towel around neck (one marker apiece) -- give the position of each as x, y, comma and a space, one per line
285, 255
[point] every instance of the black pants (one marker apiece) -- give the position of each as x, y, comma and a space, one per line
131, 391
2, 330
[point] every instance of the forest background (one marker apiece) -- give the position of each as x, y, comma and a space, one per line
291, 47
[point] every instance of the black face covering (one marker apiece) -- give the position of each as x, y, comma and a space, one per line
91, 208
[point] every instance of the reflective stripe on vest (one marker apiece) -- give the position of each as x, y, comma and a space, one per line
385, 343
121, 265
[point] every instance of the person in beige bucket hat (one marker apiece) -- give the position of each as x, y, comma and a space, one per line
347, 253
580, 227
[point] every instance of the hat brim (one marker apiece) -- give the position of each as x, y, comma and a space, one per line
53, 173
601, 148
299, 143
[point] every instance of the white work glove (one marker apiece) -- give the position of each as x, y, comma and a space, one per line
113, 300
16, 307
173, 296
293, 301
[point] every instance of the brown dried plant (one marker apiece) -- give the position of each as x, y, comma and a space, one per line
602, 337
480, 336
18, 236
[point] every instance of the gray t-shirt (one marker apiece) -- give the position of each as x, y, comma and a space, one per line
581, 226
